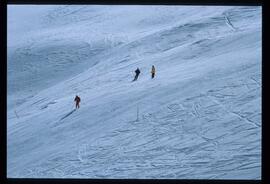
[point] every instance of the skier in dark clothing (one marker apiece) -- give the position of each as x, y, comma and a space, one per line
137, 71
77, 100
153, 71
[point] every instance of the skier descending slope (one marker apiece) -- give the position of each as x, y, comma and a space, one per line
137, 71
153, 71
77, 100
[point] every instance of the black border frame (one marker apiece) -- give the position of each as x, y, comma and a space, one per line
3, 89
142, 2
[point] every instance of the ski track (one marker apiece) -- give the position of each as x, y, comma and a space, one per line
228, 22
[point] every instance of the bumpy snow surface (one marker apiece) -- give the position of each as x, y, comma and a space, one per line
199, 118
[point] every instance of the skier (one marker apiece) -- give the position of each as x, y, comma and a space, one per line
77, 100
137, 71
153, 71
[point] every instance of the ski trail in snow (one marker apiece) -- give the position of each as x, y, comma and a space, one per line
256, 81
228, 22
234, 113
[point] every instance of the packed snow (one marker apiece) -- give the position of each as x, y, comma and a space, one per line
199, 118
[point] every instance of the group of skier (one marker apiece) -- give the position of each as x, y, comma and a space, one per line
137, 73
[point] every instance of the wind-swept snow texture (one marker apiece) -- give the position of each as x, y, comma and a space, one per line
199, 118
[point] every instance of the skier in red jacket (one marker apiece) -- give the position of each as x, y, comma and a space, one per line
77, 100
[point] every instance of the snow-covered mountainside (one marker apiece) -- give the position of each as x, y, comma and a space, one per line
199, 118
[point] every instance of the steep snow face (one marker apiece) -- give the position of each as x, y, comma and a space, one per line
62, 41
200, 117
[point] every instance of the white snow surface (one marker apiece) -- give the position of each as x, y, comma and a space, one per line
199, 118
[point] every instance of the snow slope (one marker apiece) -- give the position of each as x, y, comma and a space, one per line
199, 118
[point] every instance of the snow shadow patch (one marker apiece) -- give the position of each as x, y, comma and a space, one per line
59, 122
68, 114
